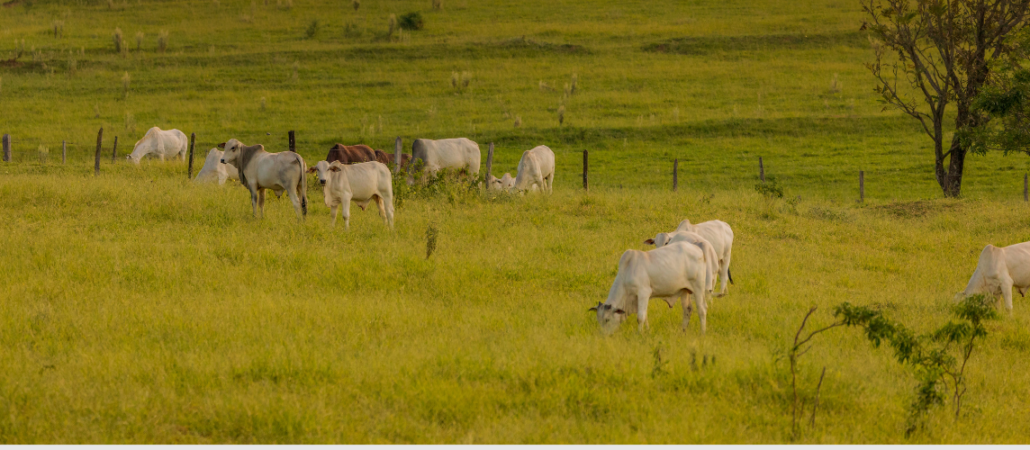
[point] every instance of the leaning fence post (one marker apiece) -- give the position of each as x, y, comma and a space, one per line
96, 161
675, 174
1026, 193
64, 152
489, 160
193, 139
114, 150
293, 142
861, 186
761, 170
7, 148
585, 167
397, 155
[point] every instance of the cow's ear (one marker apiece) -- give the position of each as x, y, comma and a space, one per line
222, 146
312, 170
619, 311
649, 242
334, 168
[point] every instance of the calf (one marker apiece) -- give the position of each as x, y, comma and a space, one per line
361, 183
214, 170
675, 270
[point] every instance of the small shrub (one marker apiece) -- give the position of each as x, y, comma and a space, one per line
466, 78
412, 21
312, 30
139, 40
356, 4
58, 28
770, 188
117, 40
561, 115
437, 5
125, 85
162, 41
835, 85
431, 234
518, 121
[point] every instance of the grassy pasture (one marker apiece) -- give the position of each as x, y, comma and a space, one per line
137, 307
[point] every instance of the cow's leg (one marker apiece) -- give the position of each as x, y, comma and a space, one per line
643, 296
701, 304
724, 273
550, 182
345, 206
332, 213
254, 201
389, 211
687, 309
1006, 292
295, 199
261, 202
382, 209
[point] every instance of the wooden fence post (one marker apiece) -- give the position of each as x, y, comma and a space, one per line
96, 162
7, 148
64, 152
761, 170
489, 161
114, 150
1026, 193
675, 174
397, 155
861, 186
585, 167
293, 142
193, 140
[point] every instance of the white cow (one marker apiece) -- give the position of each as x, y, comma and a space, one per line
260, 170
675, 270
360, 183
214, 170
711, 257
536, 169
162, 143
998, 271
504, 183
456, 154
720, 235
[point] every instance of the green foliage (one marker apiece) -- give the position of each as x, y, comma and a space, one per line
770, 188
1005, 100
431, 234
939, 358
312, 29
412, 21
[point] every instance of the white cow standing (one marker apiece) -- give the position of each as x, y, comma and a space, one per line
456, 154
214, 170
360, 183
260, 170
505, 183
711, 257
675, 270
720, 235
162, 143
536, 169
998, 271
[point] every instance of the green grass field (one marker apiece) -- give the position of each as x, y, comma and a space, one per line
137, 307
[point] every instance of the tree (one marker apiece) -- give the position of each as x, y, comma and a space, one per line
943, 50
1006, 100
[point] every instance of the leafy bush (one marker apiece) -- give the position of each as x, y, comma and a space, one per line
412, 21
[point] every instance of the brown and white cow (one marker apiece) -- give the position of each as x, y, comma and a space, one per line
351, 154
260, 170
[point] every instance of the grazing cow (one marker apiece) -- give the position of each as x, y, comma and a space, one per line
998, 271
675, 270
720, 235
260, 170
504, 183
361, 183
536, 169
711, 258
456, 154
214, 169
389, 158
162, 143
350, 154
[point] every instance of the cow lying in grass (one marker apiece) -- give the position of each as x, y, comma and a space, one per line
998, 271
214, 170
260, 170
360, 183
675, 270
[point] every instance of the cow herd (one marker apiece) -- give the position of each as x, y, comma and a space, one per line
691, 260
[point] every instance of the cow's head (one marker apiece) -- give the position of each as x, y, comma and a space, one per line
608, 317
232, 151
322, 170
659, 240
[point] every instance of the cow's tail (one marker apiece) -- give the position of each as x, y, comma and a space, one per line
302, 186
729, 274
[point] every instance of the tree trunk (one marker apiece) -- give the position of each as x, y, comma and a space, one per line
952, 185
